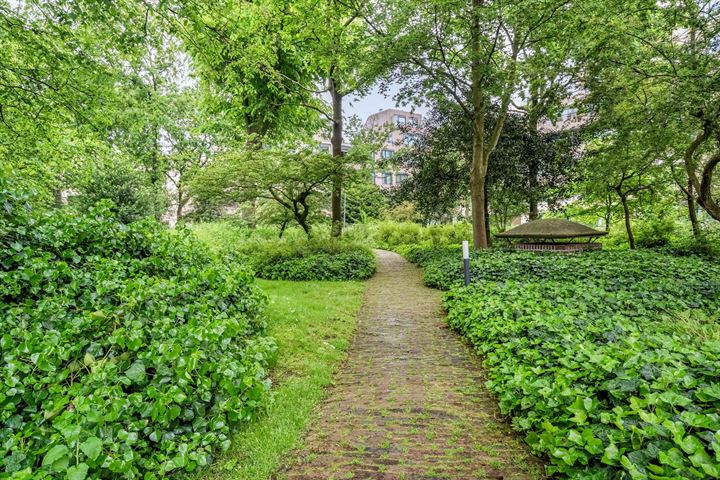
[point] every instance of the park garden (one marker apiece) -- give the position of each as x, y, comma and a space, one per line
198, 261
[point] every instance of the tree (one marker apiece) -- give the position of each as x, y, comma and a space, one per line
618, 163
655, 67
192, 140
363, 200
442, 152
57, 85
474, 55
122, 183
253, 61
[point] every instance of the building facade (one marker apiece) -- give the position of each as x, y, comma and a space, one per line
400, 123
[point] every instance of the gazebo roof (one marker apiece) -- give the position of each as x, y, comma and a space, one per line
551, 228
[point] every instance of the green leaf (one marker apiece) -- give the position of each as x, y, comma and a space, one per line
92, 446
711, 392
691, 444
674, 398
578, 409
136, 372
77, 472
57, 458
611, 455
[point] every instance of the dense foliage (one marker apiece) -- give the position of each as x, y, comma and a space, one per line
392, 235
530, 166
608, 361
620, 269
127, 351
316, 260
292, 258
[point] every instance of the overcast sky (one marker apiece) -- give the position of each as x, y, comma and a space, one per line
374, 102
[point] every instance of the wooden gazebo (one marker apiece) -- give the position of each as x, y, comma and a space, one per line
552, 235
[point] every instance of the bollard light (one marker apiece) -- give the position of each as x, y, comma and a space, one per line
466, 261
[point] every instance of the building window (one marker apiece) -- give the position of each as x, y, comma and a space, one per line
386, 154
387, 178
414, 121
408, 140
400, 119
569, 114
400, 177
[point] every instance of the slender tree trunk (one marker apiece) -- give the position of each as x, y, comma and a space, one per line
302, 215
478, 199
534, 214
692, 212
628, 226
533, 173
180, 205
608, 213
487, 217
336, 150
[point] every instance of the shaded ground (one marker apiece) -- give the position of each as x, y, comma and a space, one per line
410, 401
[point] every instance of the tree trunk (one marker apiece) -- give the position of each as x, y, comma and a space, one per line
58, 197
533, 173
487, 217
478, 166
336, 150
180, 205
302, 215
628, 226
692, 212
478, 198
705, 198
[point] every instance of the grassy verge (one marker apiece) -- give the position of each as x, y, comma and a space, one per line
312, 322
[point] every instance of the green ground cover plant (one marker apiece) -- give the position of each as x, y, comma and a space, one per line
609, 362
127, 350
292, 258
443, 267
298, 314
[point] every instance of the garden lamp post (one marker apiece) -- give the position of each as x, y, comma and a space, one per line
466, 261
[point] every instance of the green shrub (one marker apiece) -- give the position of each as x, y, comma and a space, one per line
127, 188
310, 260
655, 232
392, 235
292, 258
127, 351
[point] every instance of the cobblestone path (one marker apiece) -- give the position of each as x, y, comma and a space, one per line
409, 403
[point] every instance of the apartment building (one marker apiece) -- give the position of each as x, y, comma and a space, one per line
384, 176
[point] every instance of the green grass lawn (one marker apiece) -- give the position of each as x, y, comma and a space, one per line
312, 323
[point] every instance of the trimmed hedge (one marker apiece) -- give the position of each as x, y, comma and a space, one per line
127, 351
301, 259
356, 265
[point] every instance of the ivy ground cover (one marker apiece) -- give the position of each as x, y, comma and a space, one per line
609, 362
127, 351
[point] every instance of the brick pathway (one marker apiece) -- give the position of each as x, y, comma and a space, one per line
409, 403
